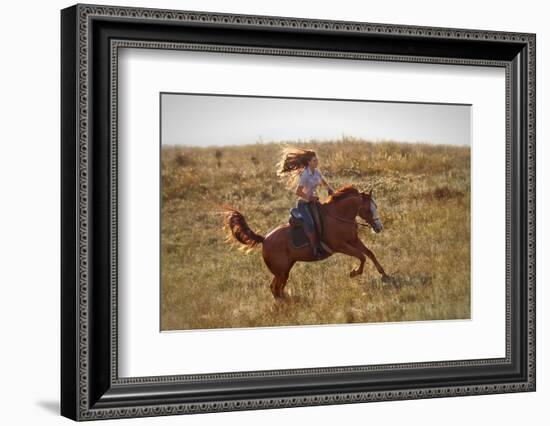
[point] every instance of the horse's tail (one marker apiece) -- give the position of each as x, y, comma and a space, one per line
238, 229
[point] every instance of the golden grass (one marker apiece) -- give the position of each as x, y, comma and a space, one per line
423, 197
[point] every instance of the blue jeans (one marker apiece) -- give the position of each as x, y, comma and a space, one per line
303, 208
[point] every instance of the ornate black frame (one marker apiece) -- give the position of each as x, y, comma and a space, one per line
90, 386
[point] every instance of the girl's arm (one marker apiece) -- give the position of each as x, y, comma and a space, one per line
325, 183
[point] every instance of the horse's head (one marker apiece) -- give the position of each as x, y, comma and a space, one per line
368, 211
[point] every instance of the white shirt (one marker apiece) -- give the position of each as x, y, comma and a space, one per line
310, 181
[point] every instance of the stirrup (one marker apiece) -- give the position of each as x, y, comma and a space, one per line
318, 251
295, 213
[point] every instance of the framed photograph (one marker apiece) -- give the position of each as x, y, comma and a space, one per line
263, 212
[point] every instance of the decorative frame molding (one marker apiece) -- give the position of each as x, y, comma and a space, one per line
91, 388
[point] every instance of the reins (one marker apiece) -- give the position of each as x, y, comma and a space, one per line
341, 219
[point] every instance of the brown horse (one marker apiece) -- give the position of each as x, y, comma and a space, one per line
340, 235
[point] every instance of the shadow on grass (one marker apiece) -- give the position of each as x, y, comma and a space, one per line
291, 301
400, 280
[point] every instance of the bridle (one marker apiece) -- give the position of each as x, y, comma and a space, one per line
341, 219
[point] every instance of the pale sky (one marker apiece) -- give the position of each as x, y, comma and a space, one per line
213, 120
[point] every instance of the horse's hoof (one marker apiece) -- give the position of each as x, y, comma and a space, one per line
386, 278
353, 273
284, 297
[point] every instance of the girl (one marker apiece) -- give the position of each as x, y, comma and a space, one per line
300, 168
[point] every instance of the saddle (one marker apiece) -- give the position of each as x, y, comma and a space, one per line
297, 233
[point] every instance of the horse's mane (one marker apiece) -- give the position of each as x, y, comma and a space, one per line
341, 193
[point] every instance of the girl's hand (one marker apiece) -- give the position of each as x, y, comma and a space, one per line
330, 191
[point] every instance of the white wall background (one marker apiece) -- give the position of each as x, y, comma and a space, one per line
29, 214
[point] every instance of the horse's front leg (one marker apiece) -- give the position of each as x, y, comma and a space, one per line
364, 249
353, 251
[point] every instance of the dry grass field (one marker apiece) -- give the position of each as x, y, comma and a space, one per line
423, 197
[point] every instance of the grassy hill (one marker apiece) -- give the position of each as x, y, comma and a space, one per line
423, 197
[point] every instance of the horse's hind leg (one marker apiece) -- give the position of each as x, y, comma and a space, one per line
278, 285
277, 258
280, 270
283, 279
274, 287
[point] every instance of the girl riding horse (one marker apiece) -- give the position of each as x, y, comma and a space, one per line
299, 167
339, 214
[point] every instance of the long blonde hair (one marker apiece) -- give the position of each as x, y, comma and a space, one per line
293, 161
